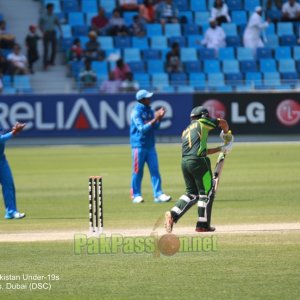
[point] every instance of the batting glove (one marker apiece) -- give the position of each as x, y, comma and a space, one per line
226, 137
226, 148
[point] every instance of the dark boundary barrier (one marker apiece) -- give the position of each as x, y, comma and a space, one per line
103, 115
255, 113
88, 115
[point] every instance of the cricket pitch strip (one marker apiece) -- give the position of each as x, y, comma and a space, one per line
38, 236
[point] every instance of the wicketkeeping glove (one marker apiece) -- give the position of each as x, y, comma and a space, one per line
226, 137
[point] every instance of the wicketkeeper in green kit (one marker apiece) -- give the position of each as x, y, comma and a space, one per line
196, 168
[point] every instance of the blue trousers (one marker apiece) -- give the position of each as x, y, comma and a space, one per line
140, 156
8, 187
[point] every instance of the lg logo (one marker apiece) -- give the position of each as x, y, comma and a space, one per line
288, 112
253, 113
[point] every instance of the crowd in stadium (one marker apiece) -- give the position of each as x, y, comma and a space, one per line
166, 45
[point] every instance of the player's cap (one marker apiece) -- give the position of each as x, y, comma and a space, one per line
141, 94
199, 111
258, 9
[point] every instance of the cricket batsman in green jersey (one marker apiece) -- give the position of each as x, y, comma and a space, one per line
196, 168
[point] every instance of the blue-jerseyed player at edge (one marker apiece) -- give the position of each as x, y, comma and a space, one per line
6, 178
144, 122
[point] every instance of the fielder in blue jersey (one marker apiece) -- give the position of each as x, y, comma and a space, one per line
144, 122
6, 178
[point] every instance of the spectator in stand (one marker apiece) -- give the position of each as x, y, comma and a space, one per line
214, 36
111, 85
93, 49
128, 5
31, 42
116, 25
7, 40
137, 28
17, 61
147, 11
219, 12
3, 63
173, 59
167, 12
87, 78
121, 70
129, 84
269, 3
99, 22
76, 51
252, 34
290, 11
48, 23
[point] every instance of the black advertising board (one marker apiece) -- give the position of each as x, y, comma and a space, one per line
255, 113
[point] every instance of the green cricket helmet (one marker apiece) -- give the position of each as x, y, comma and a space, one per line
199, 111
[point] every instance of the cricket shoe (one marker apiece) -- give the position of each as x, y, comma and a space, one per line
168, 222
205, 229
15, 215
162, 198
138, 199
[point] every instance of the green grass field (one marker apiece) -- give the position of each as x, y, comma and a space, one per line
259, 184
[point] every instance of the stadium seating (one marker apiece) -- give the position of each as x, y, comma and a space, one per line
283, 52
212, 66
151, 54
234, 4
70, 6
247, 66
137, 66
192, 66
268, 65
234, 79
89, 6
106, 42
197, 5
172, 30
207, 53
179, 78
198, 80
155, 66
187, 54
262, 53
230, 66
253, 78
159, 80
182, 4
177, 39
286, 66
215, 80
239, 17
226, 53
140, 42
272, 79
285, 28
233, 67
244, 53
250, 5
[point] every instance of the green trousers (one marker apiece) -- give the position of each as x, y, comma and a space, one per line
198, 180
197, 175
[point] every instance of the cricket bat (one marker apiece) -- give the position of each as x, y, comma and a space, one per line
218, 170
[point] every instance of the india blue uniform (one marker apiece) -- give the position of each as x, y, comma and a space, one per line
6, 178
142, 140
